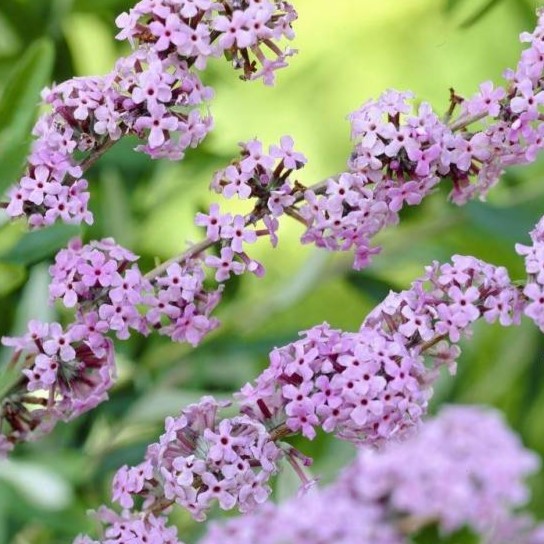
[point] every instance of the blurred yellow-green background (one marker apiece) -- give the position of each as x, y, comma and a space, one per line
349, 51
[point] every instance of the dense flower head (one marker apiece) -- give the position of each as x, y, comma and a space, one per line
400, 155
80, 270
463, 468
401, 152
369, 386
109, 292
247, 32
442, 306
262, 176
201, 460
324, 517
534, 266
338, 381
470, 471
102, 282
180, 305
157, 99
65, 374
138, 529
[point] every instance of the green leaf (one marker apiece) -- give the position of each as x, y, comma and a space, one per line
10, 376
18, 108
33, 302
480, 14
91, 43
431, 535
157, 404
40, 244
527, 10
370, 286
21, 95
11, 277
117, 220
116, 6
10, 43
12, 160
510, 223
39, 485
454, 5
287, 483
450, 5
4, 521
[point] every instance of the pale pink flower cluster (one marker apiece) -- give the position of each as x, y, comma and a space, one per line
154, 93
372, 385
202, 459
248, 32
402, 153
534, 265
464, 468
157, 99
126, 529
65, 374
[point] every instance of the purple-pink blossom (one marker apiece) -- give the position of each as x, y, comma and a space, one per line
201, 460
464, 467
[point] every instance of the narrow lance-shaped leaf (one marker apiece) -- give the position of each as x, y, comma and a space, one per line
18, 108
482, 12
40, 244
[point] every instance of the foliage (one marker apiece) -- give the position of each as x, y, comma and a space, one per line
349, 53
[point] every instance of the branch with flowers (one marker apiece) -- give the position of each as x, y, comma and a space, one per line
400, 155
369, 387
465, 468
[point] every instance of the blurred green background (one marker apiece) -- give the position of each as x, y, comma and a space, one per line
350, 50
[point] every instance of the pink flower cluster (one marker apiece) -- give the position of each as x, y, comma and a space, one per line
102, 281
470, 471
265, 177
463, 468
327, 516
365, 387
261, 175
111, 294
143, 529
534, 265
154, 98
180, 305
232, 234
247, 32
65, 374
339, 382
401, 154
201, 460
371, 385
152, 93
103, 284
